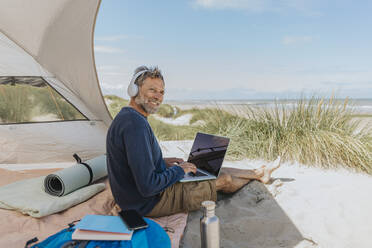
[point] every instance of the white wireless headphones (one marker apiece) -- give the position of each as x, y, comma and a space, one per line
132, 87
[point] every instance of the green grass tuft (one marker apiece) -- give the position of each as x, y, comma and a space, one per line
115, 104
168, 111
313, 131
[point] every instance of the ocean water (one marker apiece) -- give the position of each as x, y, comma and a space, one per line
363, 106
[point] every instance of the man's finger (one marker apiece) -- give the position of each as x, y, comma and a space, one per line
178, 160
191, 166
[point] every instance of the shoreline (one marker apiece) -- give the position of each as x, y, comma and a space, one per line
363, 106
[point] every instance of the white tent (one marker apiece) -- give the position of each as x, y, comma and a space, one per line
46, 52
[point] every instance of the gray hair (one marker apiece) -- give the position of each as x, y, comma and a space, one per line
151, 72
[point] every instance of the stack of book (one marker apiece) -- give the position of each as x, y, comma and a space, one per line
101, 227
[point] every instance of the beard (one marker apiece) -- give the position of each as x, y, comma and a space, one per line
145, 104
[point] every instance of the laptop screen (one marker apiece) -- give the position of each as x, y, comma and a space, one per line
208, 152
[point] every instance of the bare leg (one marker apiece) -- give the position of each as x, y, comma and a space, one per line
232, 179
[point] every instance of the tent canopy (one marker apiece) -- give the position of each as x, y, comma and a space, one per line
47, 60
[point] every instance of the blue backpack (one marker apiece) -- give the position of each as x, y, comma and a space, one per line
153, 236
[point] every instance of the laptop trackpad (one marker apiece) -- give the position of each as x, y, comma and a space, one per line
197, 174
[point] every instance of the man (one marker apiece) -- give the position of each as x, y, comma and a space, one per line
140, 177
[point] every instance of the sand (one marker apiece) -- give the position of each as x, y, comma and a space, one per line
179, 121
301, 207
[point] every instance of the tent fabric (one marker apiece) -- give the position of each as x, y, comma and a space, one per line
51, 142
14, 61
59, 36
65, 181
53, 40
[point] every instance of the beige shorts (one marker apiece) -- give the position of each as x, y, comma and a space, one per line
184, 197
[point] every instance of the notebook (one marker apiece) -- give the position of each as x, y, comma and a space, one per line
207, 153
101, 227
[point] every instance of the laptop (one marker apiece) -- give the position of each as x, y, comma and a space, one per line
207, 153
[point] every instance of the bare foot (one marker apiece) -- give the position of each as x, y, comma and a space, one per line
268, 170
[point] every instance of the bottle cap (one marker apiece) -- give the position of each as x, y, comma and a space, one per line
209, 205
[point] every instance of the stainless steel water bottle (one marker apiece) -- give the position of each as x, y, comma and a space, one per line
209, 226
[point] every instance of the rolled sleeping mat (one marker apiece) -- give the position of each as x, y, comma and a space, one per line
75, 177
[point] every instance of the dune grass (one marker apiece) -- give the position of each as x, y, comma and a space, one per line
169, 111
115, 104
313, 131
164, 131
21, 103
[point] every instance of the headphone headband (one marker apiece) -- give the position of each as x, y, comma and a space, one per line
137, 75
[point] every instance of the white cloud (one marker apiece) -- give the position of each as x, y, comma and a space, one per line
119, 37
106, 86
107, 49
113, 79
302, 6
288, 40
253, 5
111, 37
257, 81
104, 68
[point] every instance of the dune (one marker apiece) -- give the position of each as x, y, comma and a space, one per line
179, 121
301, 207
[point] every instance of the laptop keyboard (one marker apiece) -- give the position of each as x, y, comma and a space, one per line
197, 174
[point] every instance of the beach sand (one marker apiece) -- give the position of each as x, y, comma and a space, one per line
302, 207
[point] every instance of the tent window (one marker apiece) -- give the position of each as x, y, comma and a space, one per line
31, 99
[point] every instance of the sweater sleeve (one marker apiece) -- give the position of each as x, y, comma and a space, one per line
142, 163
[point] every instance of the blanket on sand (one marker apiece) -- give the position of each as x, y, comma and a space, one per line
29, 197
19, 228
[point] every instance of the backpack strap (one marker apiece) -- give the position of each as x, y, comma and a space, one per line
72, 224
70, 244
29, 242
69, 229
83, 243
75, 243
78, 160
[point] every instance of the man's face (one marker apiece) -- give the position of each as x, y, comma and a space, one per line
150, 95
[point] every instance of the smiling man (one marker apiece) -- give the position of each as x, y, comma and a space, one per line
140, 178
137, 171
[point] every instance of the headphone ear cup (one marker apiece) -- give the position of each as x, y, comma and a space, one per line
132, 90
132, 87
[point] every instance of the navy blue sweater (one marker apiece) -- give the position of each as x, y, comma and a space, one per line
136, 169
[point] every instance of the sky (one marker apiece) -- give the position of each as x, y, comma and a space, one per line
238, 49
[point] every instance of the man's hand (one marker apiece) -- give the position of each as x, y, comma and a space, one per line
188, 167
172, 161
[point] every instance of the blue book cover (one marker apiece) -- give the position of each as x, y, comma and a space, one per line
103, 223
